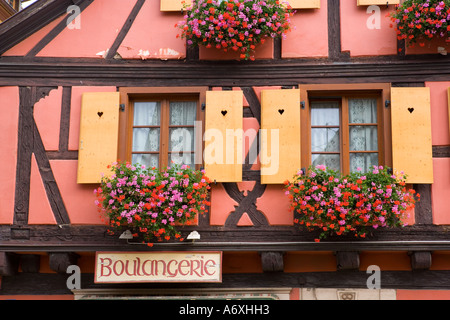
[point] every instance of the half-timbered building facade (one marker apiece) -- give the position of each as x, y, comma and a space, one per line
75, 77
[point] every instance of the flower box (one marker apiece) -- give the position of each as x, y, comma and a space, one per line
419, 21
152, 203
354, 204
235, 25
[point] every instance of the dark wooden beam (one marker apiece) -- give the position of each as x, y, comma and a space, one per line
55, 284
25, 150
246, 205
28, 21
49, 181
334, 32
30, 263
272, 261
70, 72
60, 261
124, 31
9, 264
65, 119
347, 260
56, 31
29, 142
441, 151
420, 260
424, 209
261, 239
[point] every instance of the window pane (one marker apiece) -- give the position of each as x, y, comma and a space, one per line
325, 140
363, 161
181, 139
147, 113
325, 113
331, 161
363, 138
182, 158
362, 110
148, 160
183, 113
146, 139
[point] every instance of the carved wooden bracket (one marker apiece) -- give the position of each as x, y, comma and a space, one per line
272, 261
347, 260
30, 263
60, 261
9, 264
420, 260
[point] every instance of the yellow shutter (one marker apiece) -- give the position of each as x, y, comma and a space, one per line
304, 4
173, 5
223, 154
99, 131
377, 2
280, 135
412, 150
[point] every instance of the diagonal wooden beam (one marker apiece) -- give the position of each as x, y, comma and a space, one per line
29, 142
126, 27
56, 31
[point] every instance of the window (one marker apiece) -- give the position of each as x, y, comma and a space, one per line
346, 127
345, 133
159, 127
163, 131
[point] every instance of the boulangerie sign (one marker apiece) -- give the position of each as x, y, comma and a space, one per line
126, 267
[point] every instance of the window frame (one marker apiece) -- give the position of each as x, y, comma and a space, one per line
343, 92
129, 95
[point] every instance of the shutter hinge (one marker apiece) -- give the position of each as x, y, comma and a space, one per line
302, 104
122, 107
387, 103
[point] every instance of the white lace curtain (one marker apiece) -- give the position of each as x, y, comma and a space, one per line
365, 137
326, 134
147, 131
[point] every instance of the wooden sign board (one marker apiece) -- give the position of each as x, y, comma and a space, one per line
147, 267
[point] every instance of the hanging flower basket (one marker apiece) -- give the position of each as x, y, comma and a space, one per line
236, 25
355, 204
152, 203
421, 20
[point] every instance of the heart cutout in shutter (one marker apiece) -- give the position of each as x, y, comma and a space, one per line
224, 112
411, 110
100, 114
281, 111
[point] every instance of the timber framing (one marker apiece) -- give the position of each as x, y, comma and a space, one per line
260, 237
37, 76
39, 284
273, 239
15, 71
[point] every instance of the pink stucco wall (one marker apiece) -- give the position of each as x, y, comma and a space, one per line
155, 32
26, 45
99, 25
440, 191
78, 199
309, 35
40, 211
9, 115
439, 113
47, 114
361, 40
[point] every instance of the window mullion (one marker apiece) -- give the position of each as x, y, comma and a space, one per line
345, 156
164, 135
